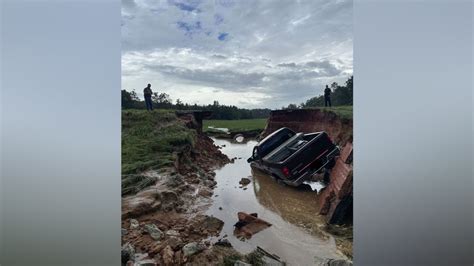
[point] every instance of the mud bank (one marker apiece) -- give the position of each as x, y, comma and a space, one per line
163, 220
311, 120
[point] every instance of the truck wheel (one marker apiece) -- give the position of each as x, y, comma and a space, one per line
343, 210
327, 175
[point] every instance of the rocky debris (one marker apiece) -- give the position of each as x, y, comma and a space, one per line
162, 209
167, 255
333, 262
170, 200
124, 231
172, 233
223, 242
178, 257
212, 224
147, 262
210, 183
141, 203
153, 231
140, 256
134, 224
268, 258
175, 242
241, 263
193, 179
220, 208
175, 181
192, 248
244, 181
205, 192
127, 253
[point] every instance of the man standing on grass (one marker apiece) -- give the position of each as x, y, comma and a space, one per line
327, 96
147, 92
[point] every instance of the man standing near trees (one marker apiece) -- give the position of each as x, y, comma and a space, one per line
327, 96
147, 93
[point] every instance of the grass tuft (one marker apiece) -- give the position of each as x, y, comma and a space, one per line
149, 140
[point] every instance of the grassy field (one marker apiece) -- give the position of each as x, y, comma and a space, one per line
344, 111
235, 125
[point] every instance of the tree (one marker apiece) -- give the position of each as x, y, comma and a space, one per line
162, 98
129, 99
179, 104
292, 106
134, 96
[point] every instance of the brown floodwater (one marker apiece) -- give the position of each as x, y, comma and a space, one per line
295, 234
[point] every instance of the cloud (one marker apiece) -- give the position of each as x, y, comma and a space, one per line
278, 52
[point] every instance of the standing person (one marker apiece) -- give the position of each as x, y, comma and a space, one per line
327, 96
147, 92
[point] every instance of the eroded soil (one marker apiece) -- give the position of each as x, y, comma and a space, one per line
188, 216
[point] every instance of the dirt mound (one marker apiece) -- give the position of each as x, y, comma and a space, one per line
162, 213
311, 120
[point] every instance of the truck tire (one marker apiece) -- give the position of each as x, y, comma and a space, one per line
327, 175
342, 211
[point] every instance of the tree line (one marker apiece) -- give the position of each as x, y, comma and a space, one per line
130, 100
341, 95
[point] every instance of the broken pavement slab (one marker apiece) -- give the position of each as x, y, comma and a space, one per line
249, 224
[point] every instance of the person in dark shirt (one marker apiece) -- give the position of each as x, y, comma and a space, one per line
147, 93
327, 96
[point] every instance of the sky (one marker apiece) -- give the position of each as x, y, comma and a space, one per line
251, 54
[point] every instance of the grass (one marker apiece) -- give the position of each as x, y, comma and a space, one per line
344, 111
149, 140
235, 125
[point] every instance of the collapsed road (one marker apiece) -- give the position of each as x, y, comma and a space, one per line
187, 214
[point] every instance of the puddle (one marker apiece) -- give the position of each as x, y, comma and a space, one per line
295, 233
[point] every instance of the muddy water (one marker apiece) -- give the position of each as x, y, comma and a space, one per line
295, 234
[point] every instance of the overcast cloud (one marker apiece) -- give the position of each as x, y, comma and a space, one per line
250, 54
